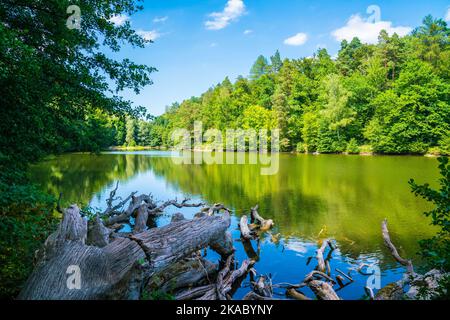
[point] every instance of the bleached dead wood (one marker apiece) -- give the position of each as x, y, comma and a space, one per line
412, 283
255, 297
185, 274
296, 295
321, 265
393, 249
245, 231
323, 290
117, 267
226, 279
265, 225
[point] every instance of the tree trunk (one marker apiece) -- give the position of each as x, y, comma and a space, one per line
69, 268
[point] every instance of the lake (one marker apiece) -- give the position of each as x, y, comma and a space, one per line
340, 197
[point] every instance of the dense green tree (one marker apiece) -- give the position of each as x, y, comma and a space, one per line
392, 96
130, 138
414, 115
337, 113
275, 62
432, 38
350, 56
59, 92
53, 76
259, 68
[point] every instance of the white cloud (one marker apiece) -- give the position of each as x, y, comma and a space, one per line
297, 40
447, 16
160, 19
119, 20
367, 32
247, 32
151, 35
219, 20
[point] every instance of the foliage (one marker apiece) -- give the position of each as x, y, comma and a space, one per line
60, 92
392, 96
53, 79
352, 147
437, 249
26, 220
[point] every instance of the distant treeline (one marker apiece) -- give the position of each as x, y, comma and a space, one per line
391, 97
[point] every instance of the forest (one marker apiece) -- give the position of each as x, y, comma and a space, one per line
60, 92
388, 98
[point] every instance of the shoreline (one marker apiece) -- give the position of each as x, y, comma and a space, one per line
361, 154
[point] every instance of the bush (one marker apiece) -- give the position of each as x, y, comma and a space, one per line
352, 147
434, 151
301, 147
436, 250
366, 149
444, 146
26, 220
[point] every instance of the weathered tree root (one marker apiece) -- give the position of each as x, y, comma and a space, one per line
258, 223
246, 234
416, 283
264, 224
223, 288
104, 264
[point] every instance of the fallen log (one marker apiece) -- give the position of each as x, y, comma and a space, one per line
168, 244
119, 269
187, 273
104, 273
195, 293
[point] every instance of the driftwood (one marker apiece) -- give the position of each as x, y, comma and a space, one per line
263, 287
88, 260
345, 275
245, 231
183, 275
323, 290
416, 283
195, 293
254, 296
107, 272
292, 293
226, 280
265, 225
92, 260
393, 249
321, 265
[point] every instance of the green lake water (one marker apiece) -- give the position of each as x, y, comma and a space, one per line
344, 198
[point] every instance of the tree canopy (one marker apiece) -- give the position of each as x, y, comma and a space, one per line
392, 97
57, 84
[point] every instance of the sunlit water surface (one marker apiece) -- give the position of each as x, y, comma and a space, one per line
344, 198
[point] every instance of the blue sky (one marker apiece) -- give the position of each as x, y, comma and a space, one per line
198, 43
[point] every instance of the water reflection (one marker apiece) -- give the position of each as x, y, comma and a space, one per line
341, 197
